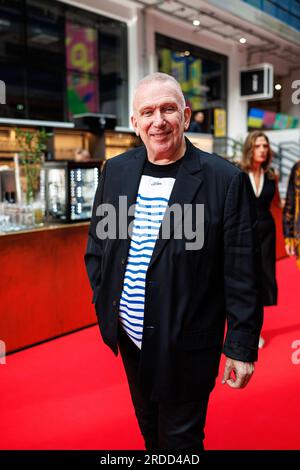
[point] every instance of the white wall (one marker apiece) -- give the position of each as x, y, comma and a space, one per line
136, 51
122, 11
237, 109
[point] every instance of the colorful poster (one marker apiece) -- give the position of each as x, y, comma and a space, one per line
255, 118
188, 72
294, 123
81, 48
269, 119
281, 121
82, 92
82, 69
219, 122
258, 118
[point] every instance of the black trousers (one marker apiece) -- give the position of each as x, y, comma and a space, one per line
164, 425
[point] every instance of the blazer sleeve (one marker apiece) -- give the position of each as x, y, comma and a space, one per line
94, 248
242, 271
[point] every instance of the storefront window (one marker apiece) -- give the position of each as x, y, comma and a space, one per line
45, 93
201, 74
57, 60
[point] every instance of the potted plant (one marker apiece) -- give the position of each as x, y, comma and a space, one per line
32, 145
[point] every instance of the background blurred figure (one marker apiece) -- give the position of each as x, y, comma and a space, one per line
197, 122
256, 162
82, 155
291, 215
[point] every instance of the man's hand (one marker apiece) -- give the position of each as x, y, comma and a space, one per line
290, 247
242, 370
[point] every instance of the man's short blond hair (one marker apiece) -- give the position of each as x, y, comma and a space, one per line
163, 78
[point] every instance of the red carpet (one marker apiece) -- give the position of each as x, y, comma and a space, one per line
71, 393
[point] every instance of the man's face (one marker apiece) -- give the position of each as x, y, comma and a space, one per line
160, 119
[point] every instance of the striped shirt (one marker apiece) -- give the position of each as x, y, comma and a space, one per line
154, 191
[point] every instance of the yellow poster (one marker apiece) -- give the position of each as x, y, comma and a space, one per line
219, 122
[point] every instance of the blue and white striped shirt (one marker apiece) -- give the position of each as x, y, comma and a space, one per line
151, 203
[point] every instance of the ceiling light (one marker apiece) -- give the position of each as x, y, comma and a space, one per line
278, 86
243, 40
196, 22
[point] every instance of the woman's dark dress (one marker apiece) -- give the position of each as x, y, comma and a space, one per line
267, 235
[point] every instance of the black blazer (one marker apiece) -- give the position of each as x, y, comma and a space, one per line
189, 294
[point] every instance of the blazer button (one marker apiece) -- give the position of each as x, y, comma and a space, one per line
123, 260
114, 303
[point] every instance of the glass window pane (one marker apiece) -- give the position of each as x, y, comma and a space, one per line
45, 32
270, 8
197, 70
295, 7
45, 93
283, 15
13, 76
50, 54
201, 74
12, 28
114, 70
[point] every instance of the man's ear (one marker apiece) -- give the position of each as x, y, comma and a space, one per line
134, 125
187, 117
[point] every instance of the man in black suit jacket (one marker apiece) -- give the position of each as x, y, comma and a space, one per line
163, 301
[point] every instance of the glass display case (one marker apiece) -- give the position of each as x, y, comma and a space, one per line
70, 190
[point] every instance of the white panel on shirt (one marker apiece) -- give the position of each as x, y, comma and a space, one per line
152, 200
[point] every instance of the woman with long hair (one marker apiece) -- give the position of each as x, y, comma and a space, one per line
256, 160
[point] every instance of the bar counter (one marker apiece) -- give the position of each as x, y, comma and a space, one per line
44, 290
46, 226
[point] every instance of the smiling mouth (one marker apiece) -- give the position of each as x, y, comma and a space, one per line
163, 134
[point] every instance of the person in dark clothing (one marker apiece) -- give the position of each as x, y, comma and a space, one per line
163, 295
256, 162
197, 122
291, 215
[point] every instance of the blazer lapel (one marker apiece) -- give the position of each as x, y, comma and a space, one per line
185, 188
131, 176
